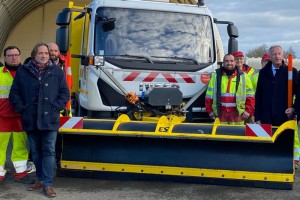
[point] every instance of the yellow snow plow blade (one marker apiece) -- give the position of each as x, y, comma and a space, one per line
172, 150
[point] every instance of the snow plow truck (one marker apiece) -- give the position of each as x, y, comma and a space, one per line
140, 70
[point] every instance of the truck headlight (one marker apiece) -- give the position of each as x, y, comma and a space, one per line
98, 60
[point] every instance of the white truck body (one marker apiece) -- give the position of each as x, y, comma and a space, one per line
151, 44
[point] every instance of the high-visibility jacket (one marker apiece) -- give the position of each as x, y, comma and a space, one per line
252, 73
296, 143
6, 79
248, 70
232, 95
254, 79
11, 128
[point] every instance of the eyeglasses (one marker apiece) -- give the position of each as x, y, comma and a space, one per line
13, 55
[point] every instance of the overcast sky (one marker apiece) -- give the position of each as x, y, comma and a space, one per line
260, 22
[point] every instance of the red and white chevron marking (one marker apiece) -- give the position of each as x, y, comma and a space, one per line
159, 77
71, 122
259, 130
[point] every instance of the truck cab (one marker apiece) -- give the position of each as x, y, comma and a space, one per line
157, 50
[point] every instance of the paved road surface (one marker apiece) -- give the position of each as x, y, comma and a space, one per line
79, 189
92, 189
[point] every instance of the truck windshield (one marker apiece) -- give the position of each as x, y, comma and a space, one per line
157, 35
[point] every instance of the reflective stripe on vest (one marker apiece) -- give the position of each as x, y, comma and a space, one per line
296, 143
4, 96
214, 105
227, 95
2, 171
228, 104
5, 87
209, 93
5, 83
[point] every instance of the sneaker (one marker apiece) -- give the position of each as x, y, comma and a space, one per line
25, 180
49, 192
36, 186
30, 167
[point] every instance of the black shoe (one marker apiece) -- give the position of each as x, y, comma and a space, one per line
25, 180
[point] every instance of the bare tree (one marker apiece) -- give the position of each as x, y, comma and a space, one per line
262, 49
258, 51
290, 50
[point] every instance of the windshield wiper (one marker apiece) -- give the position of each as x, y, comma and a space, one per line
179, 58
132, 56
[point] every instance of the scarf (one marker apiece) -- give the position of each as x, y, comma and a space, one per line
38, 68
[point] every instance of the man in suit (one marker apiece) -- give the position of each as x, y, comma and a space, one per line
271, 102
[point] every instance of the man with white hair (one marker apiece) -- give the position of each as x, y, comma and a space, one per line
271, 97
271, 102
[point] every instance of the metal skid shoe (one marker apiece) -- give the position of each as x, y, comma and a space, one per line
172, 150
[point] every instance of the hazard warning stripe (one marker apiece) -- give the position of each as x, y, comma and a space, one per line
72, 122
132, 76
187, 78
159, 77
151, 77
258, 130
170, 78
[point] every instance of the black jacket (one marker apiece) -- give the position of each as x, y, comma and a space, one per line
271, 95
39, 101
297, 100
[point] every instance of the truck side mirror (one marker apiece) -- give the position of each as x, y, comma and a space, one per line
62, 33
64, 17
232, 45
62, 38
232, 31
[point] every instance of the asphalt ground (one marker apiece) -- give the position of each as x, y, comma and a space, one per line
95, 189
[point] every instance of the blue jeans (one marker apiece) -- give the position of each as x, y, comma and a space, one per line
42, 146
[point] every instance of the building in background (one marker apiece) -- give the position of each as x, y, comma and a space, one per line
24, 23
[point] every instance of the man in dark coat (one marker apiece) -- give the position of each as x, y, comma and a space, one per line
271, 98
39, 92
